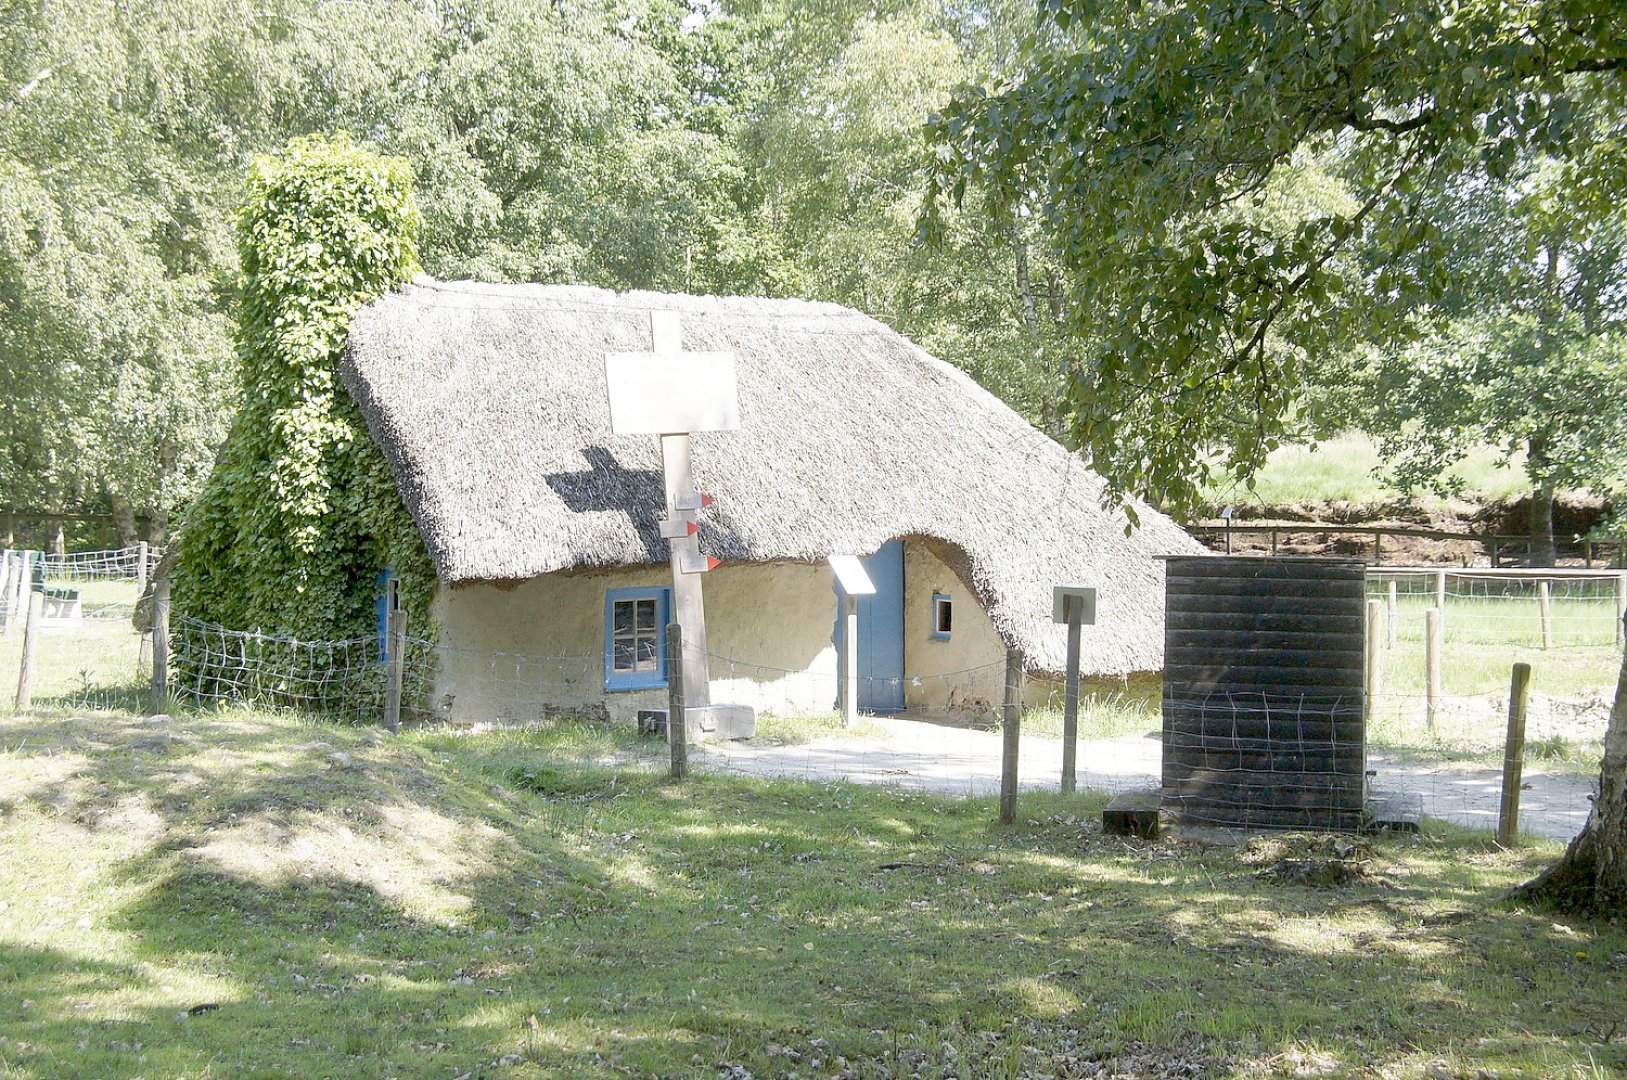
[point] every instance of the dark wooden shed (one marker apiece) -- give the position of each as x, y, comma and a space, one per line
1263, 692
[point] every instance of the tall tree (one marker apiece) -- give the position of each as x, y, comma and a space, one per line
1143, 129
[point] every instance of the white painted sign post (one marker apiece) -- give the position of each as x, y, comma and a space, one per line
854, 582
671, 393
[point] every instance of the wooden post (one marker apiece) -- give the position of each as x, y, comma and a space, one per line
1508, 814
160, 698
141, 567
16, 587
1012, 710
1432, 666
1440, 591
1545, 611
677, 711
1391, 613
1496, 553
31, 638
5, 588
1070, 699
395, 661
1587, 552
1621, 607
850, 660
1375, 658
1378, 547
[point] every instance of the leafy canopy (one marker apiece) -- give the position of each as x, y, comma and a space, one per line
1153, 138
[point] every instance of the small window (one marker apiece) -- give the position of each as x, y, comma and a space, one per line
943, 615
635, 638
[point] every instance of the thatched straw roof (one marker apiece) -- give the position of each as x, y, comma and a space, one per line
490, 403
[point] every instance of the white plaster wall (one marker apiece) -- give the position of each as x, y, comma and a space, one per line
520, 652
968, 669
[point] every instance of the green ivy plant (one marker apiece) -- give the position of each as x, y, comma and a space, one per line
301, 511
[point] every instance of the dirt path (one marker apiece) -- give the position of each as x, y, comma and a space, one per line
960, 761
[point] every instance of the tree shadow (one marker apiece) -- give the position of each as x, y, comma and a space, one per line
570, 919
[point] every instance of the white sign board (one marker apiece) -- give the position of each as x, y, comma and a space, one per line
850, 575
669, 393
1085, 595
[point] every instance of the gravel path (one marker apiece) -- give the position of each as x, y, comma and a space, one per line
922, 756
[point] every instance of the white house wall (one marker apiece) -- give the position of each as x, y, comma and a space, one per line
523, 651
966, 670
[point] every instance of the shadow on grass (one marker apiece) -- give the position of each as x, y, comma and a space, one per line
457, 903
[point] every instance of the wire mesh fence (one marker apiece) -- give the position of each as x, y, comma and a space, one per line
1444, 752
118, 564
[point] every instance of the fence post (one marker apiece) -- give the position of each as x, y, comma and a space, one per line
31, 638
1391, 613
677, 713
1621, 605
17, 587
1432, 666
395, 629
5, 588
141, 567
160, 697
1070, 699
1508, 814
1375, 658
1012, 717
1440, 591
1545, 611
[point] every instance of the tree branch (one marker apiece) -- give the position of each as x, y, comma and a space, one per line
1354, 120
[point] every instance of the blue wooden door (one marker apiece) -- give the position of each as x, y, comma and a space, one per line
881, 632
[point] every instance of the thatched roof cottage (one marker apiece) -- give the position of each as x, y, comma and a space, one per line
490, 403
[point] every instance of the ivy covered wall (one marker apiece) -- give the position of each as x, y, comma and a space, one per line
301, 511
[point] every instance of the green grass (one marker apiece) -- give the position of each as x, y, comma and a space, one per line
94, 664
1344, 468
239, 895
1484, 637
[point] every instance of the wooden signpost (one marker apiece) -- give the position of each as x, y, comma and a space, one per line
671, 393
1076, 606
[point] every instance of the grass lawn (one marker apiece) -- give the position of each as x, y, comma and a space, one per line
1343, 468
1571, 683
247, 895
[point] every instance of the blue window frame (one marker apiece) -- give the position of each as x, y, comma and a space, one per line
635, 637
943, 616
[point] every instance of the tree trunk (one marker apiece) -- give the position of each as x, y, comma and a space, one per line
1053, 294
157, 525
1542, 526
1026, 286
1542, 502
124, 521
1592, 876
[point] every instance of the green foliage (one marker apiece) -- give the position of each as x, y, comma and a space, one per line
1538, 388
301, 511
1153, 136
